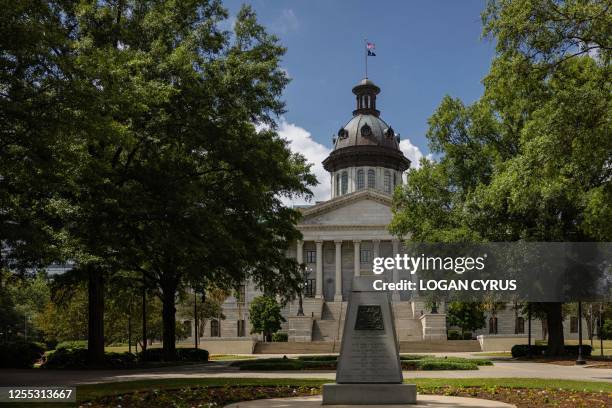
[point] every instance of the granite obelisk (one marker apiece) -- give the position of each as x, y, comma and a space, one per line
369, 370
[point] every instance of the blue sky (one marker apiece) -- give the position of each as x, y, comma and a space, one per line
425, 50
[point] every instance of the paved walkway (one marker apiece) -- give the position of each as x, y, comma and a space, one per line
429, 401
502, 369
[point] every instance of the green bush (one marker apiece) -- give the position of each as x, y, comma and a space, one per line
415, 356
467, 336
454, 335
318, 358
20, 354
280, 337
439, 364
606, 331
76, 358
182, 354
520, 350
72, 344
265, 365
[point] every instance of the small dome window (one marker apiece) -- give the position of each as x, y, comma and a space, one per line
366, 130
371, 178
344, 182
360, 179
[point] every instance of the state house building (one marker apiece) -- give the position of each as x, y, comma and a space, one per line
341, 236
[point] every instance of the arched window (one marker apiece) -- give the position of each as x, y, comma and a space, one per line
387, 181
344, 182
337, 184
371, 178
360, 179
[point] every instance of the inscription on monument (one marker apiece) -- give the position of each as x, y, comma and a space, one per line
369, 317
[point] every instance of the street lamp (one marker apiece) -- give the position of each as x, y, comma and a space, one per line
580, 360
301, 287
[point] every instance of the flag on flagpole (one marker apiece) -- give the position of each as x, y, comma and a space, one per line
371, 47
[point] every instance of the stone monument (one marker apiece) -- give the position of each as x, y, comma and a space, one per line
369, 370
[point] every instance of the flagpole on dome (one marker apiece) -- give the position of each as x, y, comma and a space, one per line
365, 52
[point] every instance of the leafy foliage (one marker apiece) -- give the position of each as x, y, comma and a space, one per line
265, 316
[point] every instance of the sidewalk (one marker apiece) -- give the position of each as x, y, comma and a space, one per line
15, 377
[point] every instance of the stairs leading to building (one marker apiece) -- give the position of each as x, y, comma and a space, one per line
407, 327
331, 324
324, 347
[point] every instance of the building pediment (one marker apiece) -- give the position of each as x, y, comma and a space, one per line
363, 208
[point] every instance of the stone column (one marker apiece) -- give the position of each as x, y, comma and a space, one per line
338, 294
319, 277
395, 296
299, 257
357, 263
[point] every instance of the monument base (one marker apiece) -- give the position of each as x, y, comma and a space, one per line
369, 394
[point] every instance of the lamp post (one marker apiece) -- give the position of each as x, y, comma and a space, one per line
580, 360
529, 330
301, 287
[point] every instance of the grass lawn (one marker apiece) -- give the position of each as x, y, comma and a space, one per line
230, 357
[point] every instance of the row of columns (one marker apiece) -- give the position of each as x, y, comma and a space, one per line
338, 259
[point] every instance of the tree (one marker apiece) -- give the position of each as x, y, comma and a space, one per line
208, 306
529, 160
466, 315
265, 316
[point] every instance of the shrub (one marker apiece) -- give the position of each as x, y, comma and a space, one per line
20, 354
266, 365
454, 335
520, 350
318, 358
280, 337
72, 344
606, 330
182, 354
439, 364
467, 336
77, 358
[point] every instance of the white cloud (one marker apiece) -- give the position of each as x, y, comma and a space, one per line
286, 22
413, 153
301, 141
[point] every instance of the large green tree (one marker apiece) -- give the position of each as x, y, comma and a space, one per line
531, 159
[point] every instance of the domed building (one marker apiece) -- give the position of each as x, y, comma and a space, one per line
340, 238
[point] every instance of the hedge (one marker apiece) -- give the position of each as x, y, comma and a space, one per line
280, 337
20, 354
77, 358
521, 350
72, 344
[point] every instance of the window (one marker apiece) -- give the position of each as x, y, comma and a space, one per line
573, 324
387, 181
337, 184
241, 328
394, 179
520, 325
241, 294
371, 178
360, 179
493, 325
309, 288
311, 256
365, 256
344, 182
214, 328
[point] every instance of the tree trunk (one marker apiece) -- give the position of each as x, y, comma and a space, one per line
169, 321
95, 322
554, 319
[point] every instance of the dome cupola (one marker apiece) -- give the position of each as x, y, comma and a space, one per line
366, 151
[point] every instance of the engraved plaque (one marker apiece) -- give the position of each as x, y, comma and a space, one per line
369, 317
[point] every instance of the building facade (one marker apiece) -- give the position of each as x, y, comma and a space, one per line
341, 236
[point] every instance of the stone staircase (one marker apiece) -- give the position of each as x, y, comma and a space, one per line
331, 324
407, 327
